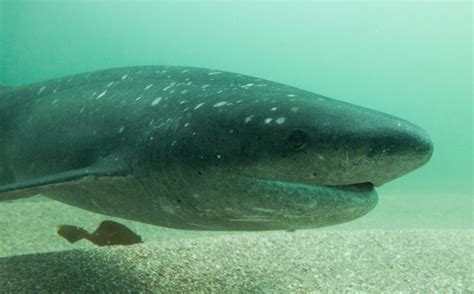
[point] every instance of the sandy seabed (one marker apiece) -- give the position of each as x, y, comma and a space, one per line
338, 261
306, 261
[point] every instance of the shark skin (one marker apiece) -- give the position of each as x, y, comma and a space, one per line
202, 149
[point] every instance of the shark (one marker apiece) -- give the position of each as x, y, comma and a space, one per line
200, 149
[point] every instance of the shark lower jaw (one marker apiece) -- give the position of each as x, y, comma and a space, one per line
355, 187
362, 188
282, 204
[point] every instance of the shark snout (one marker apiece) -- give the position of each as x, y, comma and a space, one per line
365, 146
398, 150
412, 141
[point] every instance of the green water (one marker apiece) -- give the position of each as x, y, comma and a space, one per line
412, 60
409, 59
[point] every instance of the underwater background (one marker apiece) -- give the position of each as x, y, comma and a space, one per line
409, 59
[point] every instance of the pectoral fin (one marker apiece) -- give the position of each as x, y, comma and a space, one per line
72, 233
29, 188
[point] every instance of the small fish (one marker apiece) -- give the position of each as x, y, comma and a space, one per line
108, 233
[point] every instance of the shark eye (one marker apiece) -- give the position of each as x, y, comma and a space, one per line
297, 140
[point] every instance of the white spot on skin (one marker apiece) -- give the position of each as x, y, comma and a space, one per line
110, 84
138, 98
122, 128
321, 157
280, 120
273, 109
218, 156
82, 110
213, 73
247, 86
156, 101
41, 90
268, 120
205, 86
231, 131
291, 95
220, 91
55, 101
101, 95
399, 125
169, 86
184, 91
294, 109
182, 102
248, 119
219, 104
186, 125
199, 105
124, 77
148, 87
185, 71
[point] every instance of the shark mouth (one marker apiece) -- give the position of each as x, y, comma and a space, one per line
356, 187
359, 187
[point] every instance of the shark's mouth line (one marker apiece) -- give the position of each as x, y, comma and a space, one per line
356, 187
359, 187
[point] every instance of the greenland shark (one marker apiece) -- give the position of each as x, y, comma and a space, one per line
202, 149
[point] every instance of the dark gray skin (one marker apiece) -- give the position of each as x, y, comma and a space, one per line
194, 148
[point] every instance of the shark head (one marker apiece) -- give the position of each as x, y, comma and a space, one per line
321, 141
269, 156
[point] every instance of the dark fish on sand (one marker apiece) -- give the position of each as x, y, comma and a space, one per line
108, 233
